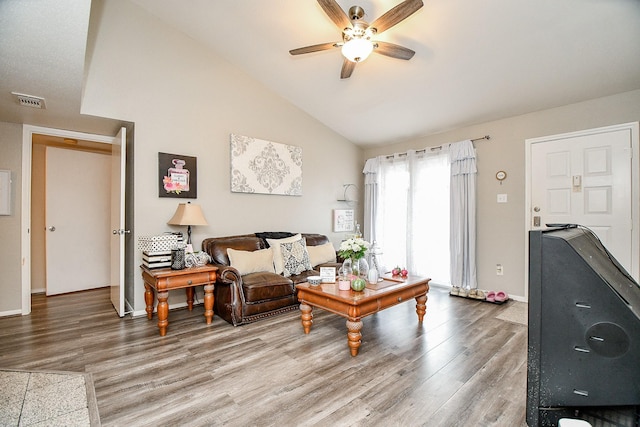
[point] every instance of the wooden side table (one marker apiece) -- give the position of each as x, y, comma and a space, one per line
162, 280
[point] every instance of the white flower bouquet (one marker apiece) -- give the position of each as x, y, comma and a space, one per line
353, 248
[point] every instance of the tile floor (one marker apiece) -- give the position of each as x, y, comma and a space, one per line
46, 398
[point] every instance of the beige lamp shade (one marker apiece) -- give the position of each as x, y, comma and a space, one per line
188, 214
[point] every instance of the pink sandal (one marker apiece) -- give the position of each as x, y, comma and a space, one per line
501, 296
491, 296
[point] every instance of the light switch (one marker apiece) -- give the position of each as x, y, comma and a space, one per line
502, 198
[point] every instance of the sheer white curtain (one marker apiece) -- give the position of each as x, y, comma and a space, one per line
462, 157
428, 235
410, 212
370, 198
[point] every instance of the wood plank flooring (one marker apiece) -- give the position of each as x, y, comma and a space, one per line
461, 367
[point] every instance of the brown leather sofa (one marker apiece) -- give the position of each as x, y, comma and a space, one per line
254, 296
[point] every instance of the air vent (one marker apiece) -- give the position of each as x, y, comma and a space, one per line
29, 100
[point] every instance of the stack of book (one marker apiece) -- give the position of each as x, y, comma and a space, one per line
156, 250
157, 259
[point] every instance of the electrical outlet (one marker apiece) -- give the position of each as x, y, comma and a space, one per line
499, 270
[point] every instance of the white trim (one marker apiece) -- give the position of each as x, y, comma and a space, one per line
27, 137
10, 313
633, 127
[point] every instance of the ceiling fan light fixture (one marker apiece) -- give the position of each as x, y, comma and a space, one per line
357, 49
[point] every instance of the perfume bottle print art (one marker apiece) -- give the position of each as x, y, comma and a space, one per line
177, 178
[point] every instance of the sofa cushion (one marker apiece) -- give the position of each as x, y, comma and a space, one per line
277, 253
315, 239
217, 247
321, 254
251, 261
274, 235
266, 286
295, 258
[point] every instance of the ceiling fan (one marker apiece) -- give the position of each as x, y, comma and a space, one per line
357, 35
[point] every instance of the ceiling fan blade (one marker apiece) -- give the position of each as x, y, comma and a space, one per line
335, 12
347, 69
313, 48
396, 14
394, 50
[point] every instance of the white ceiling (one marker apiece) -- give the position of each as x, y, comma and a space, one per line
42, 53
475, 61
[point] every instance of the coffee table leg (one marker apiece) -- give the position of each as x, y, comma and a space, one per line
163, 312
354, 336
208, 303
306, 317
148, 299
421, 307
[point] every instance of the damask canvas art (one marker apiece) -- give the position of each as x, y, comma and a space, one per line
265, 167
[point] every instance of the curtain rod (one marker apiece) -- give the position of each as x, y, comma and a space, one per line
439, 147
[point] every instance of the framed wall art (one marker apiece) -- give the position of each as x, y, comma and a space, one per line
265, 167
343, 220
177, 176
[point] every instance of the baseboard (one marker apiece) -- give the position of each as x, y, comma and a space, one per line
38, 290
10, 313
513, 297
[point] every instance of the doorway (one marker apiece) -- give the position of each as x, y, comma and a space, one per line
588, 178
26, 244
69, 213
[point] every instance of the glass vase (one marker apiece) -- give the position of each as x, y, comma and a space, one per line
360, 267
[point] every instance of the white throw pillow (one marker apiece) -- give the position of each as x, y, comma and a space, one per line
295, 257
321, 254
277, 253
251, 261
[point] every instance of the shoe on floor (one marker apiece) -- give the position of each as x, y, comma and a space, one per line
455, 290
480, 294
491, 296
501, 296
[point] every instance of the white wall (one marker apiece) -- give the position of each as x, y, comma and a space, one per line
10, 273
184, 100
501, 227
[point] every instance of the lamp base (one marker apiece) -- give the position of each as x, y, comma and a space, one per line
189, 247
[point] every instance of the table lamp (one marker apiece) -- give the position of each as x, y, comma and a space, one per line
188, 214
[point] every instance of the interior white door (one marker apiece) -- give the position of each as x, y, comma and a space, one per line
586, 180
118, 162
77, 220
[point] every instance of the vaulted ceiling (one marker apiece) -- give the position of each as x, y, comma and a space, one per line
475, 61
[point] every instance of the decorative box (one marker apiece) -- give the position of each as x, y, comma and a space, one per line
160, 243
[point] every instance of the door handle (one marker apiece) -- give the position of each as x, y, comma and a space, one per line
51, 228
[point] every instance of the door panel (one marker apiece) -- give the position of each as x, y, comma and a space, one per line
118, 162
77, 220
586, 180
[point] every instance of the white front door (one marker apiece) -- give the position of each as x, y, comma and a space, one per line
77, 220
586, 179
118, 162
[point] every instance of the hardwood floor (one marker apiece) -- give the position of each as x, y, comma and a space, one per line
461, 367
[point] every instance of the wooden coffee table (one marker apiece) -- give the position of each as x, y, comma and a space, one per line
356, 305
